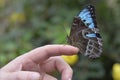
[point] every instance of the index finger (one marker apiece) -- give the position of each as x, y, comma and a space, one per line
42, 53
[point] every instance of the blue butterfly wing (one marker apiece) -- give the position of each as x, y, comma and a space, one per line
91, 35
87, 15
84, 33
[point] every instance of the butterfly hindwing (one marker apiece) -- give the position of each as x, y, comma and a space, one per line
85, 34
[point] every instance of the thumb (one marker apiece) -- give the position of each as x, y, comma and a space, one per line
21, 75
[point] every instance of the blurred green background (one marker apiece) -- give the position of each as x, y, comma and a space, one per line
27, 24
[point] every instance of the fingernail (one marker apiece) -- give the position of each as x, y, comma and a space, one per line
35, 76
77, 48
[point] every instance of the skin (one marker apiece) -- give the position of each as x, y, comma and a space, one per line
39, 63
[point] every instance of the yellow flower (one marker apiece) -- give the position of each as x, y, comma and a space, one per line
17, 17
116, 71
71, 60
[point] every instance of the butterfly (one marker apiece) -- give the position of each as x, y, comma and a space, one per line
84, 33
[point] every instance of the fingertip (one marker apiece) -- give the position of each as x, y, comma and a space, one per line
73, 49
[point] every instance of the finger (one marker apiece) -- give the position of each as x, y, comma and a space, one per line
48, 77
40, 54
57, 63
21, 75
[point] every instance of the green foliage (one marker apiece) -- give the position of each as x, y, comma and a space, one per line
26, 24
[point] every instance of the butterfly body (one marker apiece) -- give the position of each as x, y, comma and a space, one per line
84, 33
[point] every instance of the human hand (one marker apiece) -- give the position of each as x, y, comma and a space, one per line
38, 63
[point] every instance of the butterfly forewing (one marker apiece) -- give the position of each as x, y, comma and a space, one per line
85, 34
